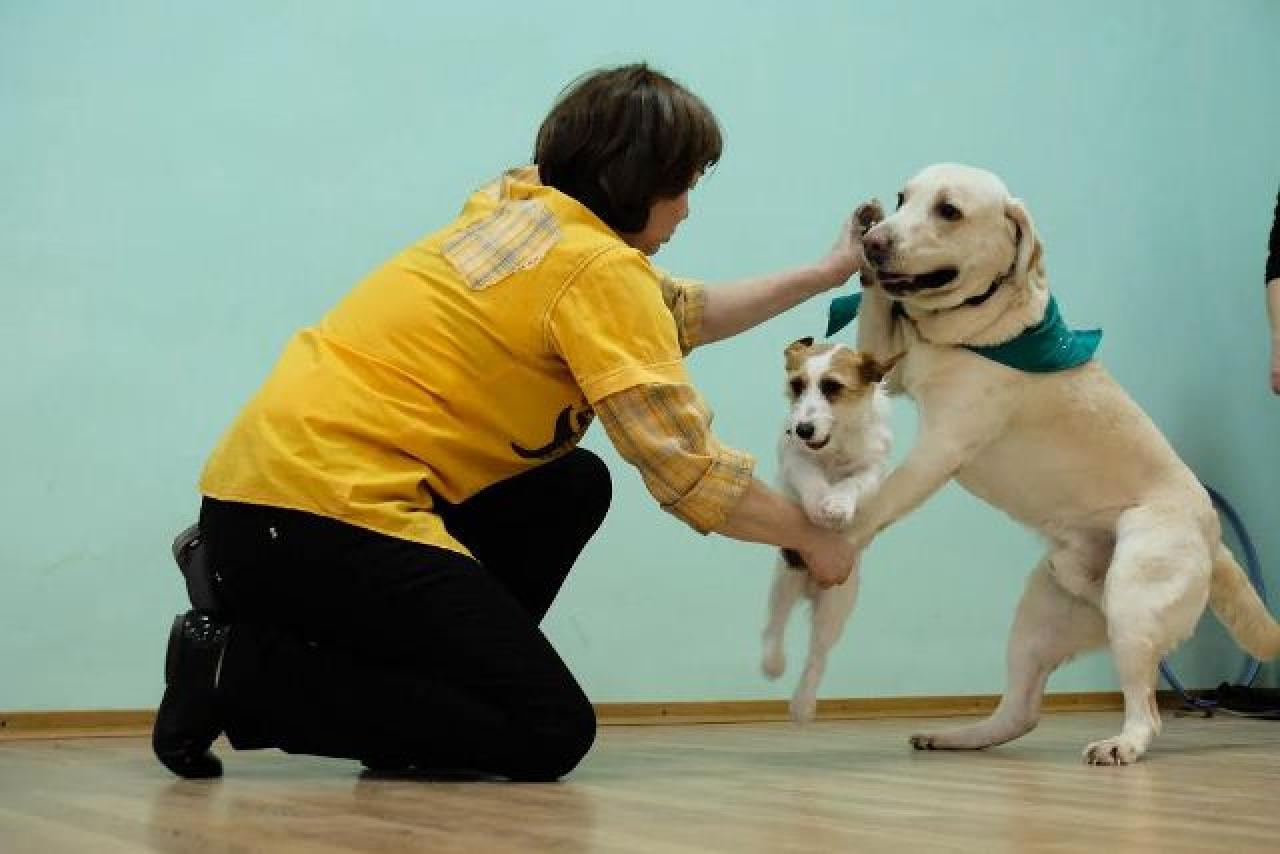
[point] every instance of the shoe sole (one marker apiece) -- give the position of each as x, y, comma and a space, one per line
173, 653
179, 759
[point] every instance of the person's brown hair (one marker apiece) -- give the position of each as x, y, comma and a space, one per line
619, 138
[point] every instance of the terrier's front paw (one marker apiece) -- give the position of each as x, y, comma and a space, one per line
836, 511
814, 508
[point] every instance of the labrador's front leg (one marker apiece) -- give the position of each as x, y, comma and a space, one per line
878, 333
932, 462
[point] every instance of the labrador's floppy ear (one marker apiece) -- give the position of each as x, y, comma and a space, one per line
1030, 249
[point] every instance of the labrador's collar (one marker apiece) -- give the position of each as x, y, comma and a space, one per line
1044, 347
989, 292
844, 310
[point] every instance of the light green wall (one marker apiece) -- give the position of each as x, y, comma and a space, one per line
181, 185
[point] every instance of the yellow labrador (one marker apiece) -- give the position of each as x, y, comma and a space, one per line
1134, 548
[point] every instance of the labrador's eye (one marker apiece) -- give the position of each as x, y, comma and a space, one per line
901, 199
949, 212
830, 388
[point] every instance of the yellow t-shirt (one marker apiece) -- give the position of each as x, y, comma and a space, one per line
469, 358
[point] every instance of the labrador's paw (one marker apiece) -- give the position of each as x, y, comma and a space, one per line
1112, 751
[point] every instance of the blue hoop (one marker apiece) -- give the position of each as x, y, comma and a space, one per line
1253, 567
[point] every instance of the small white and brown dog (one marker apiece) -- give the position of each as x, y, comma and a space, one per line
831, 456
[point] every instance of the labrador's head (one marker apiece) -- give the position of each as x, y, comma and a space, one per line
956, 232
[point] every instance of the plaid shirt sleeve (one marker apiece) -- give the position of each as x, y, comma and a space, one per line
686, 300
664, 430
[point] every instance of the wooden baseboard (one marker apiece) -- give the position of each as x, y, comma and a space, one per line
742, 711
137, 722
76, 724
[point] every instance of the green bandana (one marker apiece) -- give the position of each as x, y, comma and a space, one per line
1048, 346
842, 312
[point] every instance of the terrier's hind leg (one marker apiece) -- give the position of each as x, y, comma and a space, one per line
831, 609
788, 586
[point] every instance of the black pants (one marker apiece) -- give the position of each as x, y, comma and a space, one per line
352, 644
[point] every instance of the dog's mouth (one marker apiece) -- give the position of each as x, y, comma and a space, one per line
902, 283
811, 444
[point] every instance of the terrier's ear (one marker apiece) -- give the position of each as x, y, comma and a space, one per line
872, 371
799, 344
795, 351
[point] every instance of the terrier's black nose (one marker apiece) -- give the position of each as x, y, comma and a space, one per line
804, 431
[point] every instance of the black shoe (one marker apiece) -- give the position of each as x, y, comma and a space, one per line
192, 556
189, 718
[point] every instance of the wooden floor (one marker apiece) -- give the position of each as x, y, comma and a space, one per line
1209, 785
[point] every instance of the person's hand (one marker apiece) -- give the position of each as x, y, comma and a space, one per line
845, 257
829, 557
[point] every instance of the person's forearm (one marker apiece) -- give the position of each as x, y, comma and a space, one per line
765, 516
737, 306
